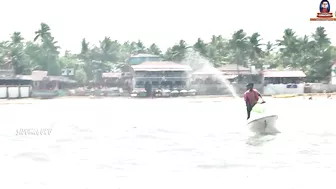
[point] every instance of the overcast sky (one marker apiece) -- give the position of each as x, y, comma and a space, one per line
164, 22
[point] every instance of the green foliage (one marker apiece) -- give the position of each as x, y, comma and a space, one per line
80, 76
313, 54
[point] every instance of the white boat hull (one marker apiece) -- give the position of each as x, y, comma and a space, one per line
264, 125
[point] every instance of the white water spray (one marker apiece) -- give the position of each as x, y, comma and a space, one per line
201, 64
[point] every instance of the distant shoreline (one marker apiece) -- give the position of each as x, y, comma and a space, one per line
31, 100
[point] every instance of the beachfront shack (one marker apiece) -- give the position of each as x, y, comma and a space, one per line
111, 79
15, 87
283, 82
45, 86
165, 75
115, 83
239, 76
11, 85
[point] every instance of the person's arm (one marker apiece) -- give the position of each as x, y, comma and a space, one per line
260, 96
247, 101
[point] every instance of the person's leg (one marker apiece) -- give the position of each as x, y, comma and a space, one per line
248, 108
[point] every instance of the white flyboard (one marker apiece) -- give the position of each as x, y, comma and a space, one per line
261, 122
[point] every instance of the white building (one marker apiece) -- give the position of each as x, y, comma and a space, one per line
283, 82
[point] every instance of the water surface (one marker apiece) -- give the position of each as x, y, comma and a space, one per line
166, 143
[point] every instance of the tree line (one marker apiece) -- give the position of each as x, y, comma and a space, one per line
312, 54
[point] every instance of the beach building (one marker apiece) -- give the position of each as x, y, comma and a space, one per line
11, 85
214, 81
283, 82
163, 75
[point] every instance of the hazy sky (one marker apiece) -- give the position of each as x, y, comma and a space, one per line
164, 22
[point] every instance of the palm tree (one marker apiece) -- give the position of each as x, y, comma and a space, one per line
154, 49
269, 48
49, 48
43, 33
201, 47
320, 67
288, 48
140, 47
255, 50
305, 55
321, 37
85, 56
16, 38
177, 52
16, 56
85, 48
109, 50
239, 44
288, 43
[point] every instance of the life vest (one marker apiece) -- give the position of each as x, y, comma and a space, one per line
248, 95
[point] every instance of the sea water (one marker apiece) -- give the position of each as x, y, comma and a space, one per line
166, 143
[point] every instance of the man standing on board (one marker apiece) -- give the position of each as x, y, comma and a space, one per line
251, 97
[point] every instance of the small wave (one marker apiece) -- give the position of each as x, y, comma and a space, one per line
40, 157
147, 136
259, 140
178, 150
223, 166
54, 146
167, 131
88, 138
198, 101
64, 140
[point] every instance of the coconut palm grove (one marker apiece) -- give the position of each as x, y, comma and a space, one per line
312, 53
